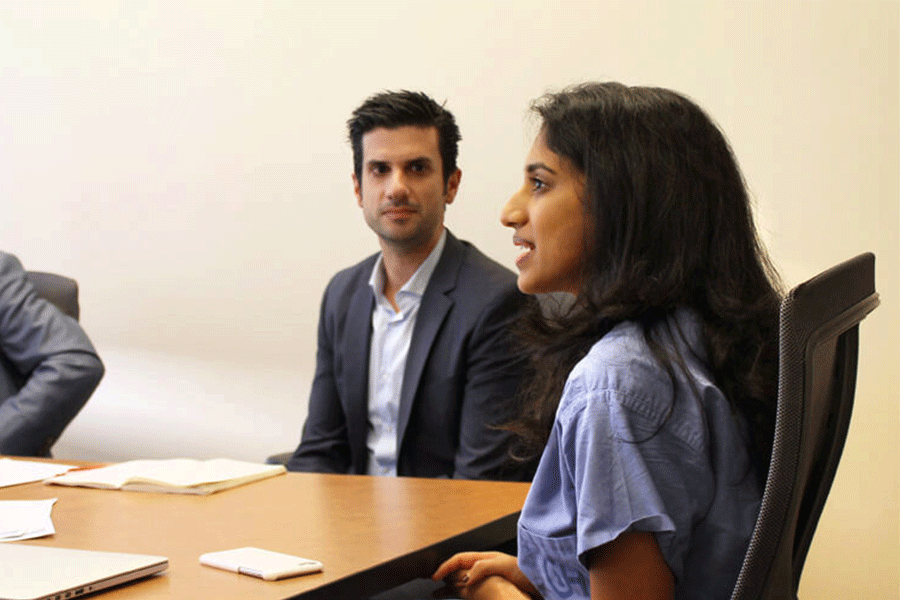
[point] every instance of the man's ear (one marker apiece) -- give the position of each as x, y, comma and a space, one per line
452, 186
357, 190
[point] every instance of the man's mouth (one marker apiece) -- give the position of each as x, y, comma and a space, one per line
398, 212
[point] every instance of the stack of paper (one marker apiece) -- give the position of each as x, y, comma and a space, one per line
176, 476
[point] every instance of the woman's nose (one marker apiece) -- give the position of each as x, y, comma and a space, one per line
513, 213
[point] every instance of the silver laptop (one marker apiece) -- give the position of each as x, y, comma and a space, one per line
47, 573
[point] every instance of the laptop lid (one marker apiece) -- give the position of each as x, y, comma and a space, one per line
48, 573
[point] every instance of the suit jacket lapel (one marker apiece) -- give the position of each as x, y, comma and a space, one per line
432, 311
357, 339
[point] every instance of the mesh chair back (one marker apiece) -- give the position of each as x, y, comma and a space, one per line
818, 344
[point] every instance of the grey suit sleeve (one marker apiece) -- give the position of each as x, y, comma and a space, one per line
495, 372
50, 367
324, 447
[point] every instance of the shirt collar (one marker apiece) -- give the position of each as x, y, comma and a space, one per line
419, 281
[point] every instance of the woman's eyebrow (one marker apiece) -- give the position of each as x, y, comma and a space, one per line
537, 167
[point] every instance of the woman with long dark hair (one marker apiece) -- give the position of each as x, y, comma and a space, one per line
653, 391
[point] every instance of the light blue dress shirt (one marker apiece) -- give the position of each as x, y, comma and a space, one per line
633, 449
391, 335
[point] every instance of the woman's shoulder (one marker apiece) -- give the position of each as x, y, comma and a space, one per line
618, 369
623, 373
625, 351
619, 360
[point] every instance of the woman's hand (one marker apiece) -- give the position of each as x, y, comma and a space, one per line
485, 575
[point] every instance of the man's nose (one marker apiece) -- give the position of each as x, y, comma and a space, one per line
398, 188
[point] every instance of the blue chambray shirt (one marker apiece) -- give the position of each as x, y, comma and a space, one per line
633, 450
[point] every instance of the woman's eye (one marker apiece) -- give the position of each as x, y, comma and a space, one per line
537, 184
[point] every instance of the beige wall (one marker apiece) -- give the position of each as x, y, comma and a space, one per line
186, 162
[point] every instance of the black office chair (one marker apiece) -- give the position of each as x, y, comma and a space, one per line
60, 291
818, 345
279, 459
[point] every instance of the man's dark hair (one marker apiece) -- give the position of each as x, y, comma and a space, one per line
400, 109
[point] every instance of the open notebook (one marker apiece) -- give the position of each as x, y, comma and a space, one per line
175, 476
47, 573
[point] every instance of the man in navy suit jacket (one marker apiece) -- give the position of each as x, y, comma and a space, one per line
414, 368
48, 367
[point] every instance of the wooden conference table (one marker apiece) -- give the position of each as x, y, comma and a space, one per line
371, 533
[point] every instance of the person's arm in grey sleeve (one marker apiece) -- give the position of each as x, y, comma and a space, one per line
494, 375
50, 366
325, 447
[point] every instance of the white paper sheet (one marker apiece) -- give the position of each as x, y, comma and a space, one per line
25, 519
14, 472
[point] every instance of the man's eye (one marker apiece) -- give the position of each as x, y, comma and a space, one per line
537, 184
379, 169
417, 168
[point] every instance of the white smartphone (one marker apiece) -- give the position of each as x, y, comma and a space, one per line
264, 564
